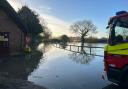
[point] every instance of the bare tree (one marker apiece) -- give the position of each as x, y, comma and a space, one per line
83, 28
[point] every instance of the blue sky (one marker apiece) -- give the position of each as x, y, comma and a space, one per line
60, 14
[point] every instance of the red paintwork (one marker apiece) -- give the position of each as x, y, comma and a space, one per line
119, 60
119, 16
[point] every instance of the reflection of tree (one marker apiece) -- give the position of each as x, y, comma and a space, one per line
44, 47
84, 55
20, 67
82, 58
91, 50
87, 50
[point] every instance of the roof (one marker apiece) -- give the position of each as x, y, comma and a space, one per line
119, 16
4, 5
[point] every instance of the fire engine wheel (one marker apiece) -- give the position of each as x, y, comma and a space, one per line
124, 84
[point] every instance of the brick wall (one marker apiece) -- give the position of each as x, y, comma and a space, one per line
16, 36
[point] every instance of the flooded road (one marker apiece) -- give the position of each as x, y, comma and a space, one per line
59, 69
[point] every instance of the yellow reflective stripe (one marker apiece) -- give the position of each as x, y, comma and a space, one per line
106, 48
120, 52
118, 47
121, 49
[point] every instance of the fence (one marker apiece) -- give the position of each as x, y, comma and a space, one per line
71, 47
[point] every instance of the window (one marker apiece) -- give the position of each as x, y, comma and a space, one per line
121, 34
118, 30
4, 39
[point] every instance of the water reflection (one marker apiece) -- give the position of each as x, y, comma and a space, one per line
87, 49
20, 67
44, 47
83, 55
60, 72
81, 58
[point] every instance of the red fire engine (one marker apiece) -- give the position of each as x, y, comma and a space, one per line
116, 52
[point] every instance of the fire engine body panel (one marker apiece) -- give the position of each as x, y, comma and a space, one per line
116, 52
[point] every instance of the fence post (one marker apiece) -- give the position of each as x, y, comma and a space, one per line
70, 47
78, 49
90, 50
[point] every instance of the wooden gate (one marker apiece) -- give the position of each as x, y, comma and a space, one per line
4, 43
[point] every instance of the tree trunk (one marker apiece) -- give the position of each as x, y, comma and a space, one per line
82, 43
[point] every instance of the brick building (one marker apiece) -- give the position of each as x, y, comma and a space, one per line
12, 31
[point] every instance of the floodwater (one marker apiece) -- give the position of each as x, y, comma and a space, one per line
59, 69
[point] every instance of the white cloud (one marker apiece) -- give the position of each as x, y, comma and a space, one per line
42, 9
56, 25
101, 34
15, 4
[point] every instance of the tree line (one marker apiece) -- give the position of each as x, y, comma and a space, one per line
36, 29
65, 38
39, 32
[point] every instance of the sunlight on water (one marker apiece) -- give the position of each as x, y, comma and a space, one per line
57, 68
67, 70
